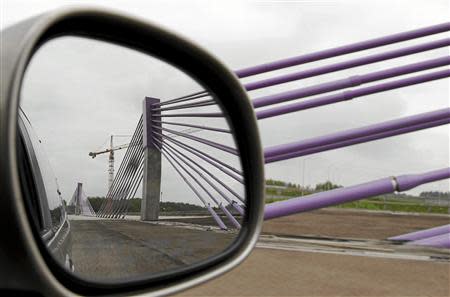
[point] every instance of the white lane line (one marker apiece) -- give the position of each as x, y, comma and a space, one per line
358, 248
350, 252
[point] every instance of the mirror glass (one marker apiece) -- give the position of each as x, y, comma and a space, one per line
134, 168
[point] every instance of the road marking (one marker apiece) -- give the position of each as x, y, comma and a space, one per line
364, 248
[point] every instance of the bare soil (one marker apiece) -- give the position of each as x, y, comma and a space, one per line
283, 273
352, 224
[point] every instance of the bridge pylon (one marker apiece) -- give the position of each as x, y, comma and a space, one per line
151, 184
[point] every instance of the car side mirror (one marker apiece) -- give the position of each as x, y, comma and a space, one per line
193, 146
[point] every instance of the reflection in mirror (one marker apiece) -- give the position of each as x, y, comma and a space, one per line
135, 170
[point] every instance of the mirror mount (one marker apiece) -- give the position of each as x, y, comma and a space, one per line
19, 248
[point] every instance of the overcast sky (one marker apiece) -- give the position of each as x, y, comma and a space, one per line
246, 33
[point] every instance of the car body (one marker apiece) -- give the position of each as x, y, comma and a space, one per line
24, 222
47, 206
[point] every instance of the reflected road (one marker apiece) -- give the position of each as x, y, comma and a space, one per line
112, 249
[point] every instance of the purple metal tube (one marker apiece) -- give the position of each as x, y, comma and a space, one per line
352, 81
187, 105
201, 140
184, 98
423, 233
351, 94
230, 216
211, 160
329, 198
185, 179
354, 141
348, 194
407, 182
347, 64
355, 133
211, 211
438, 241
184, 158
227, 213
193, 126
342, 50
190, 174
193, 115
216, 218
238, 208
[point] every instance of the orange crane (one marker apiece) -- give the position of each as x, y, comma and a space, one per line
110, 150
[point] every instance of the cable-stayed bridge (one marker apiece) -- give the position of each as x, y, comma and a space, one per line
162, 132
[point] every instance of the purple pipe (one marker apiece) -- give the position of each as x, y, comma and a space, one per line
342, 50
230, 216
422, 234
216, 218
354, 141
211, 211
347, 64
193, 126
193, 115
355, 133
167, 153
185, 160
237, 207
182, 176
187, 105
348, 194
438, 241
351, 94
227, 213
329, 198
352, 81
407, 182
211, 160
184, 98
201, 140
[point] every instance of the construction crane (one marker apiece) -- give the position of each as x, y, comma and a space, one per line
110, 150
113, 148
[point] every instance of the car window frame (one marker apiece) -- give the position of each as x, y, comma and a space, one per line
46, 229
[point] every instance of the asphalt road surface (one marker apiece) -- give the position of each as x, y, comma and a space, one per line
117, 249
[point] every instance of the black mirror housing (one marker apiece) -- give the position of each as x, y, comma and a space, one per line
24, 263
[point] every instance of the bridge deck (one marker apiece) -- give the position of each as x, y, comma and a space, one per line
122, 248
